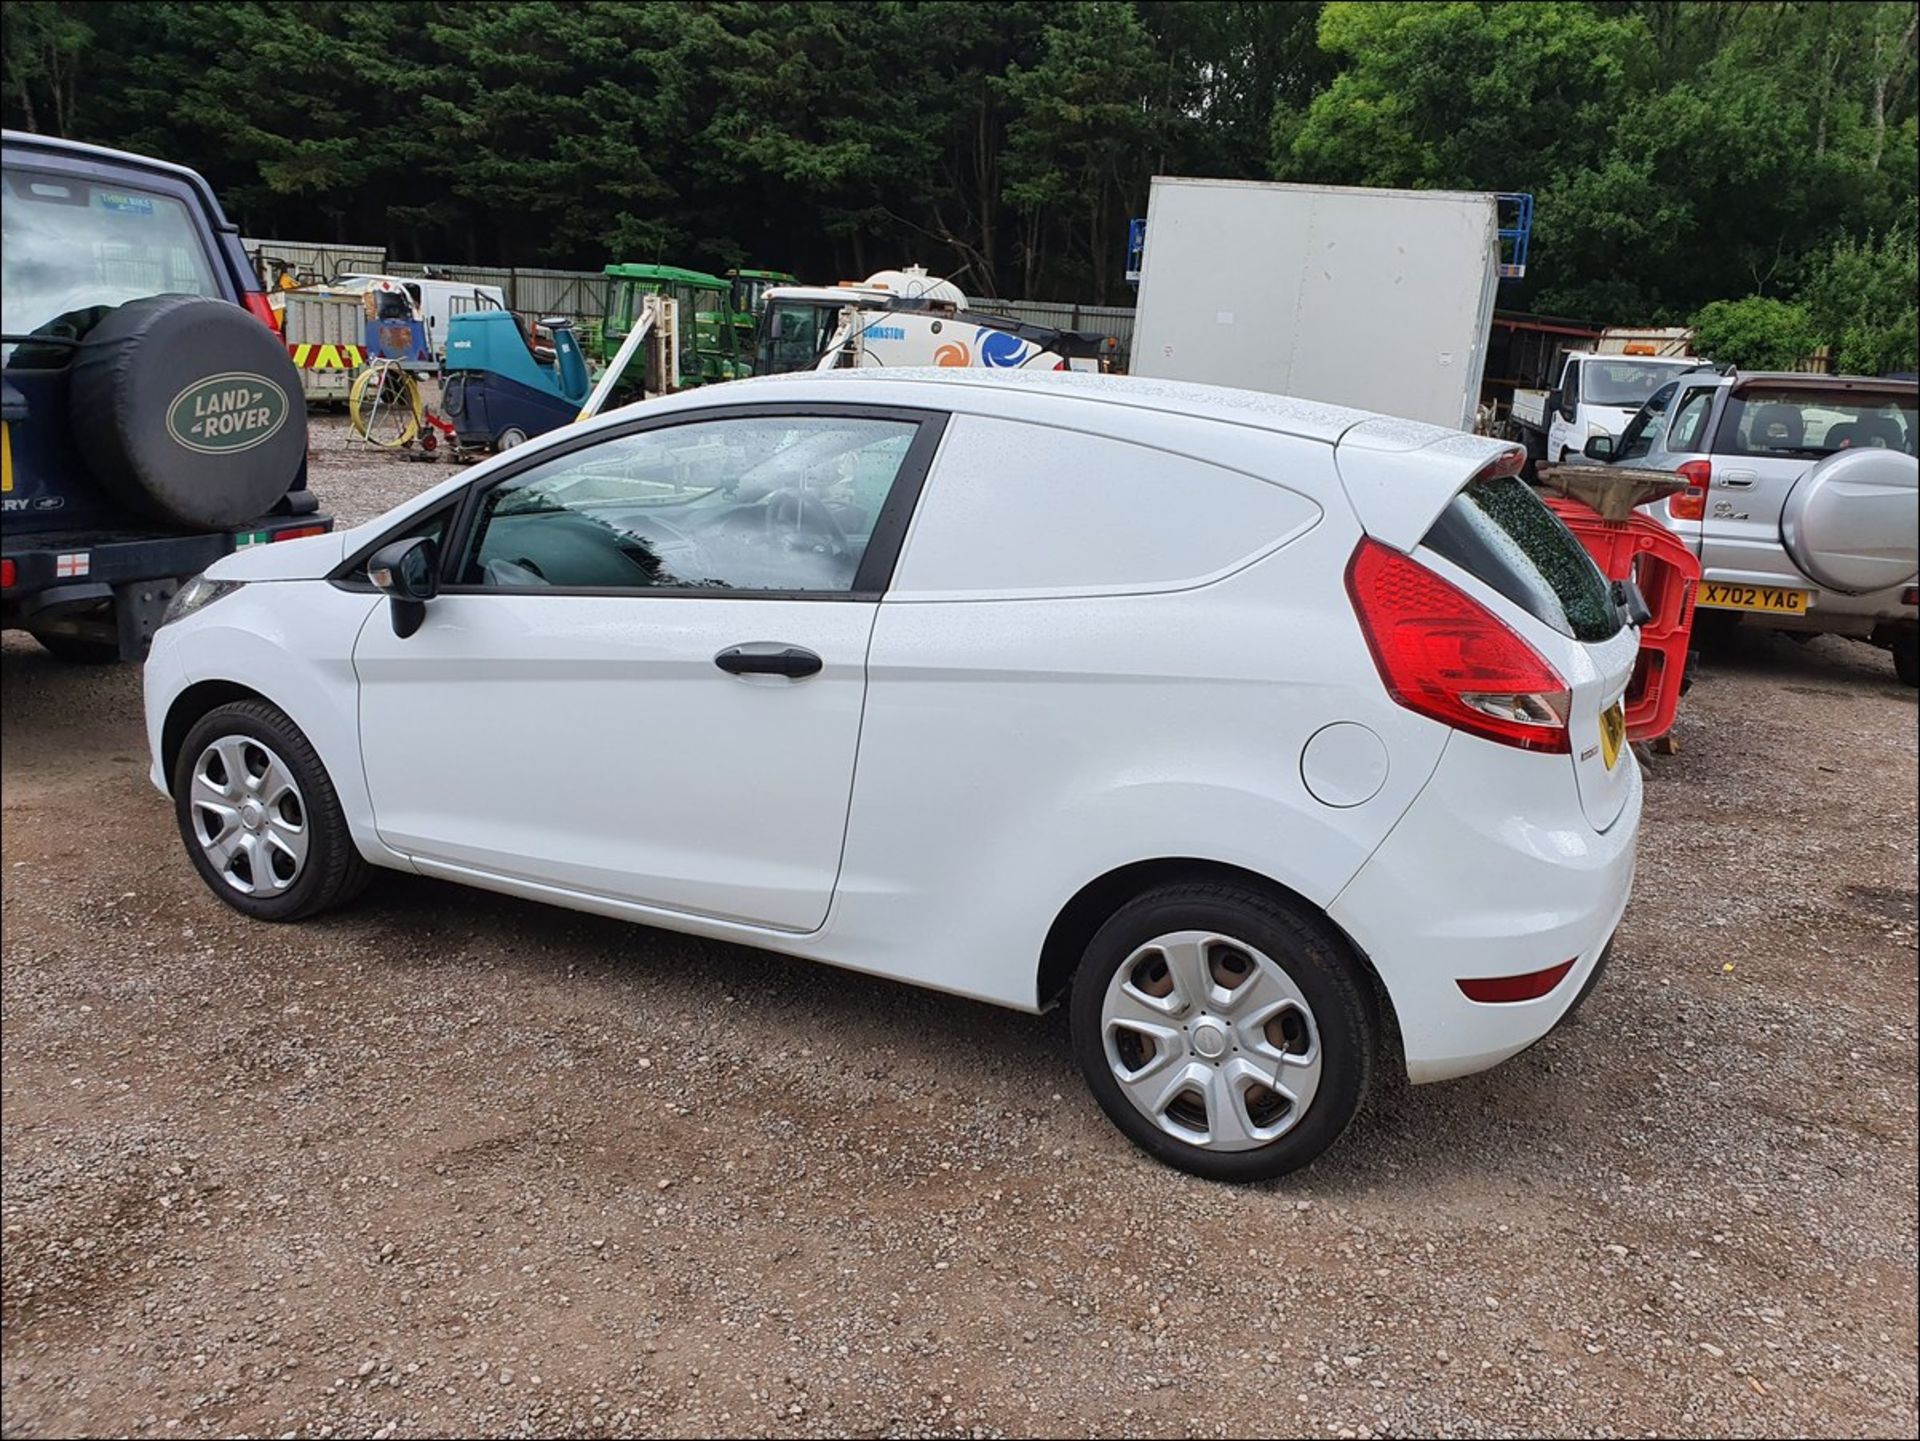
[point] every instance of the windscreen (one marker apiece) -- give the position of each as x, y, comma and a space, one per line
1622, 382
72, 248
792, 335
1501, 533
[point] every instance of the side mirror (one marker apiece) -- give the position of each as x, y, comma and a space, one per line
1565, 404
1598, 447
407, 572
776, 325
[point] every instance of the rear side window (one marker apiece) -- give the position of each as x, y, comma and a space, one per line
70, 249
1501, 533
1803, 420
1019, 511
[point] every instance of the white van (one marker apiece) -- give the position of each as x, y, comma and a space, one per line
435, 301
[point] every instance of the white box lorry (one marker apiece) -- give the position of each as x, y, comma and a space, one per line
1378, 299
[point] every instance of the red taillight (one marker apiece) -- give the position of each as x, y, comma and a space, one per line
1691, 503
1910, 596
8, 575
1530, 987
1445, 655
262, 310
299, 532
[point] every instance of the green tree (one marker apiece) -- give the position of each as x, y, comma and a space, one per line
1081, 134
1228, 65
1756, 333
40, 50
1860, 298
1460, 94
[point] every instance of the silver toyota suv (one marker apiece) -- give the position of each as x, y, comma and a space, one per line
1804, 500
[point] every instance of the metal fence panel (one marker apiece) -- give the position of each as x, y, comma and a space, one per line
314, 257
579, 293
531, 291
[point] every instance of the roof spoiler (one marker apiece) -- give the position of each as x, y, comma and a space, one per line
1400, 474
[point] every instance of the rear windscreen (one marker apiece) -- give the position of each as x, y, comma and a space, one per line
70, 248
1806, 421
1501, 533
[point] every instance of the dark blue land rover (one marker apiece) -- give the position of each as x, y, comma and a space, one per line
150, 418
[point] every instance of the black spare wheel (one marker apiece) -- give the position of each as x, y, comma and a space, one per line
189, 410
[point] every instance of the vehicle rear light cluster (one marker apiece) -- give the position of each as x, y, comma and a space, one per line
1443, 654
1691, 503
262, 310
1910, 596
8, 575
300, 532
1530, 987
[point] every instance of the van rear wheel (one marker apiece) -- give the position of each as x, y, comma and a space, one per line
1224, 1031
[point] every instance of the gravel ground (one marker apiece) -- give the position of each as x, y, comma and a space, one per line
454, 1163
355, 481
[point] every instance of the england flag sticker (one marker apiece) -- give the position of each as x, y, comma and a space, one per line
76, 563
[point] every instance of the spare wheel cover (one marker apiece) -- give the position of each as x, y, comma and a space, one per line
188, 410
1850, 522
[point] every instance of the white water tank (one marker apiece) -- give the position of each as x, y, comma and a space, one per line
914, 283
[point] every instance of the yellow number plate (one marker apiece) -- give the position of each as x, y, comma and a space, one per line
1613, 733
1717, 595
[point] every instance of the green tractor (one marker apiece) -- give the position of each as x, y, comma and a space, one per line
749, 292
710, 348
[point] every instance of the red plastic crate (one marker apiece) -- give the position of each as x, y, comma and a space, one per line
1642, 550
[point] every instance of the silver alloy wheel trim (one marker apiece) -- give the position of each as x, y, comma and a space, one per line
1210, 1042
252, 815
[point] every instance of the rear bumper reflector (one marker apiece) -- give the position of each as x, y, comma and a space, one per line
1529, 987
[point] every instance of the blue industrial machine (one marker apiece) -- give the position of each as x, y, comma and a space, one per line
497, 392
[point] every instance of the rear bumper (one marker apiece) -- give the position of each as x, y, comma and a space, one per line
60, 570
115, 588
1828, 612
56, 568
1493, 871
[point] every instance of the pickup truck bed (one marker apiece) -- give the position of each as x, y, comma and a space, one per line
1530, 409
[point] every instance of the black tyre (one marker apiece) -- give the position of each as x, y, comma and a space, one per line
1225, 1032
260, 818
1906, 660
188, 410
75, 650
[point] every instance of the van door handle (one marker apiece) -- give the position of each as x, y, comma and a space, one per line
789, 661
